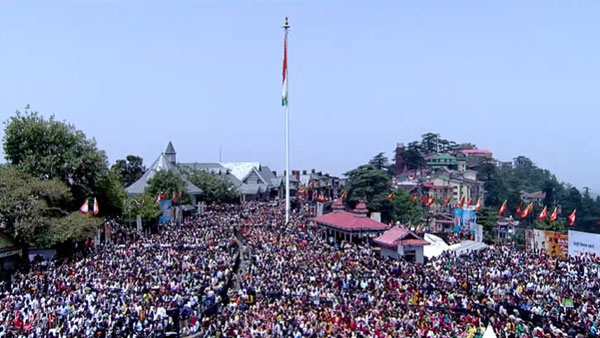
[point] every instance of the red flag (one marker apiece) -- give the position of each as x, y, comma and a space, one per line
502, 208
460, 202
478, 204
343, 197
519, 211
414, 197
468, 203
527, 210
572, 217
554, 215
390, 196
446, 201
543, 214
84, 207
423, 198
96, 210
430, 201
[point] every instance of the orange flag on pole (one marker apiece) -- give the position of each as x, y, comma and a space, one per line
502, 208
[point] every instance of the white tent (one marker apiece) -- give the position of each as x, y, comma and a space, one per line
436, 246
489, 332
465, 246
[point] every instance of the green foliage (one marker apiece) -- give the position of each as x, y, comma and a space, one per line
560, 225
50, 149
405, 210
130, 169
71, 228
369, 185
413, 159
144, 205
372, 186
111, 195
488, 217
215, 189
165, 182
380, 162
35, 211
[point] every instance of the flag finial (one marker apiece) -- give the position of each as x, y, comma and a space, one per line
286, 25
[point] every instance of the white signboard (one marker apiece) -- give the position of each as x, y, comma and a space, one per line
583, 242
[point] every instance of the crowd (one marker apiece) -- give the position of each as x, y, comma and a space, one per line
293, 283
145, 287
299, 286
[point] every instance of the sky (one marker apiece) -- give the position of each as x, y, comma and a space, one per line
515, 77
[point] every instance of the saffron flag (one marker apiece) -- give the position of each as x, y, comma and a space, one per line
423, 198
84, 207
468, 203
343, 197
446, 201
179, 197
572, 217
554, 215
519, 211
543, 214
460, 202
390, 196
527, 210
478, 204
414, 197
284, 93
159, 197
96, 210
430, 201
502, 208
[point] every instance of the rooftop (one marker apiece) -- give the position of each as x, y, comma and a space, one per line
399, 236
350, 221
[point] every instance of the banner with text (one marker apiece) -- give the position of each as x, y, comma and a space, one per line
583, 242
554, 243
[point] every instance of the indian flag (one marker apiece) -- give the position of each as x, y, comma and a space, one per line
284, 94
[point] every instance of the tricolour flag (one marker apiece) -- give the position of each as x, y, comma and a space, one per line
84, 207
543, 214
572, 217
554, 215
284, 93
502, 208
96, 210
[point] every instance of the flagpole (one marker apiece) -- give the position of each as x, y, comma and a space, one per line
286, 26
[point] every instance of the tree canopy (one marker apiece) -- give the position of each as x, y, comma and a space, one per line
215, 189
165, 182
36, 212
130, 169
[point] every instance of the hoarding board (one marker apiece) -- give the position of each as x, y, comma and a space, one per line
583, 242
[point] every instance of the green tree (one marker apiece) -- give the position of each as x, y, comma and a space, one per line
215, 189
130, 169
405, 210
413, 159
50, 149
165, 182
380, 162
488, 217
33, 211
371, 186
110, 194
144, 205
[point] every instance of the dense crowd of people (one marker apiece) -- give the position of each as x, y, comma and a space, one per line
145, 287
294, 283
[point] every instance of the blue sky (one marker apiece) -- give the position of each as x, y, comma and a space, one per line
515, 77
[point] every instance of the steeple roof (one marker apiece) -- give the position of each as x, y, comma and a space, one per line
170, 149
